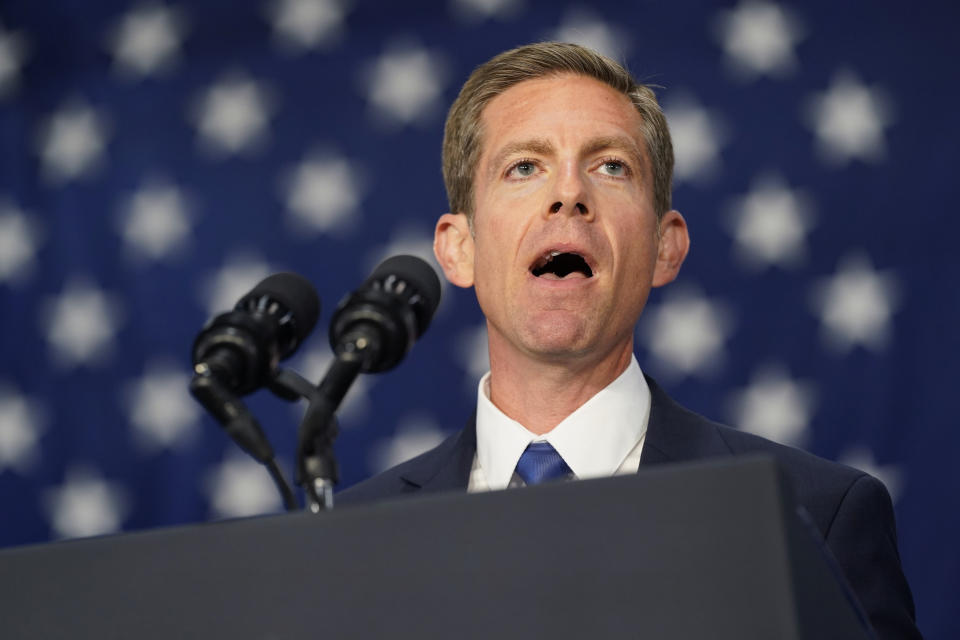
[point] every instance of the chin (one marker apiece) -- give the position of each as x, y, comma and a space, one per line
558, 339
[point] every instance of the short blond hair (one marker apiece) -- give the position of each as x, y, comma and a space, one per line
463, 134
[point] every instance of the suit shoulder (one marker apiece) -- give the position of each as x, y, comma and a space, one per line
821, 485
795, 459
683, 433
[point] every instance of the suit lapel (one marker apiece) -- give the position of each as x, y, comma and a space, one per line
675, 434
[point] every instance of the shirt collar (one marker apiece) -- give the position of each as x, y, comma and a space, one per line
593, 440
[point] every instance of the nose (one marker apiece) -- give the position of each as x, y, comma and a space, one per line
570, 194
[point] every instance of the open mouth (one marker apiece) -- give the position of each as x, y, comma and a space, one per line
559, 265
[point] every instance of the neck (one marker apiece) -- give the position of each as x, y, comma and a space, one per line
540, 393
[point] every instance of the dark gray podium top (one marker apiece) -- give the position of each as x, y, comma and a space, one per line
693, 551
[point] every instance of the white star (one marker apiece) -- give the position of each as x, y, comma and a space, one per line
155, 221
301, 25
770, 223
21, 423
313, 366
85, 505
323, 194
19, 237
473, 352
585, 28
890, 475
686, 332
72, 143
239, 274
415, 434
147, 40
697, 135
758, 39
240, 486
13, 51
849, 120
404, 84
480, 10
81, 323
855, 304
161, 410
774, 406
233, 115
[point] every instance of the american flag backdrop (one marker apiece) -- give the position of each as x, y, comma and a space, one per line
157, 159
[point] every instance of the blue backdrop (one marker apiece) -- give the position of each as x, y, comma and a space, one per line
157, 159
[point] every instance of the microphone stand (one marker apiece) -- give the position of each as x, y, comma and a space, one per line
317, 469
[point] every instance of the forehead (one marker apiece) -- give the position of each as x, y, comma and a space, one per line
564, 107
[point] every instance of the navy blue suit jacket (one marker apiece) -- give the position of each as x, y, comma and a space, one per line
852, 510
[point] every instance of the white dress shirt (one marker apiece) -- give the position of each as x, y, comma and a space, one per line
603, 437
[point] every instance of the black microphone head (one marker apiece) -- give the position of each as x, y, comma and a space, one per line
419, 276
242, 347
295, 294
381, 320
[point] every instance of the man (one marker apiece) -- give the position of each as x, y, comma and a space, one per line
558, 168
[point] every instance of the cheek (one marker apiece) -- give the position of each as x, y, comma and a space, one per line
522, 190
489, 261
635, 225
497, 239
636, 246
488, 287
509, 206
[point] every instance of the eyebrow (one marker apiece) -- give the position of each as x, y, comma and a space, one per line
542, 146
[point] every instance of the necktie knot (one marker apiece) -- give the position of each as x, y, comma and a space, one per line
540, 462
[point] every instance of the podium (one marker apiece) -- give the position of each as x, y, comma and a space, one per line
712, 550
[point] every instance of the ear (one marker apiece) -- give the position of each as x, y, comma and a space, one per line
453, 246
673, 247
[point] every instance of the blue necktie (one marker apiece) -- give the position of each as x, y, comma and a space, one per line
540, 462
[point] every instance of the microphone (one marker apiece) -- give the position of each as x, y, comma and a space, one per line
241, 348
238, 352
379, 322
371, 331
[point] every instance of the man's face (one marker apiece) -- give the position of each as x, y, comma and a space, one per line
565, 240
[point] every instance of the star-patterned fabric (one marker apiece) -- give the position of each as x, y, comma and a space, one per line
159, 157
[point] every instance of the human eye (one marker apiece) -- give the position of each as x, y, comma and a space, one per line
522, 169
614, 167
